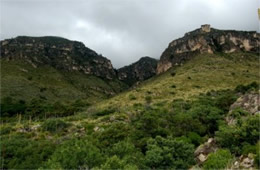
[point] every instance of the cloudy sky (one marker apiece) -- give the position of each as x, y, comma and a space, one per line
123, 30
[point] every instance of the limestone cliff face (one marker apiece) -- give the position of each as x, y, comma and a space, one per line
207, 40
138, 71
58, 52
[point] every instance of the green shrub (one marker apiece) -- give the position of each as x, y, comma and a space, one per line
247, 148
10, 107
21, 153
173, 86
125, 150
168, 153
234, 137
148, 99
195, 138
245, 88
54, 125
75, 154
132, 97
173, 74
113, 134
218, 160
105, 112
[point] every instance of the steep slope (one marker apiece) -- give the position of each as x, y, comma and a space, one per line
207, 40
139, 71
200, 74
55, 69
177, 110
59, 53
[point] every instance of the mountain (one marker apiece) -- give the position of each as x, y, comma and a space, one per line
59, 53
202, 104
207, 40
55, 69
141, 70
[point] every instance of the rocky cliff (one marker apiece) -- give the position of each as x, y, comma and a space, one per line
138, 71
207, 40
58, 52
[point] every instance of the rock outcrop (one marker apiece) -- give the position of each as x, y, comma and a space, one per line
202, 152
58, 52
139, 71
207, 40
248, 102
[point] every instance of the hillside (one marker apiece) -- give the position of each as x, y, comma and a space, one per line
201, 74
199, 113
54, 69
139, 71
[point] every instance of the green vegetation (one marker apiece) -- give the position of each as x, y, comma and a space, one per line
218, 160
147, 127
22, 81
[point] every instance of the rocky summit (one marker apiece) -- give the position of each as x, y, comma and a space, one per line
141, 70
207, 40
59, 53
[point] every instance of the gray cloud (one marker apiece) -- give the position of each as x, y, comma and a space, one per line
124, 30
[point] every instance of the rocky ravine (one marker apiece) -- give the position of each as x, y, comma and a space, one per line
141, 70
58, 52
207, 40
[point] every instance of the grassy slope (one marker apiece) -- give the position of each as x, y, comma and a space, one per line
206, 72
21, 81
199, 75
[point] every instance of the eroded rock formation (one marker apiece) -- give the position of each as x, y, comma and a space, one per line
207, 40
138, 71
57, 52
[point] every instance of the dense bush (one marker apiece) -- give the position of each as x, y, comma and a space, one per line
235, 137
218, 160
169, 153
38, 109
75, 154
104, 112
10, 107
113, 134
245, 88
148, 99
54, 125
126, 151
115, 163
22, 153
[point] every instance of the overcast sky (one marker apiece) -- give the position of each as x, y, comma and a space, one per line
124, 30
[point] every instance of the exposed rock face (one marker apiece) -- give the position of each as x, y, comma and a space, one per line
244, 162
138, 71
207, 40
57, 52
202, 152
248, 102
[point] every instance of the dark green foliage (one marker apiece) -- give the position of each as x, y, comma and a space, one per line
38, 109
168, 153
22, 153
173, 86
10, 107
245, 88
195, 138
148, 99
237, 137
54, 125
218, 160
132, 97
75, 154
173, 74
105, 112
257, 156
126, 151
113, 134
